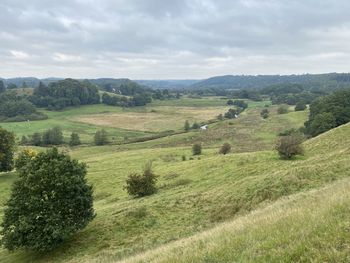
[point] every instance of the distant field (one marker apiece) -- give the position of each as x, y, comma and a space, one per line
65, 120
155, 119
125, 123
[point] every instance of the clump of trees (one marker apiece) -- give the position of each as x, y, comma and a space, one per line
49, 203
225, 148
231, 114
101, 137
328, 112
53, 136
17, 108
289, 146
64, 93
7, 145
74, 139
197, 149
300, 106
140, 185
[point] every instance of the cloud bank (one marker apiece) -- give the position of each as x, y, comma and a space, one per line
163, 39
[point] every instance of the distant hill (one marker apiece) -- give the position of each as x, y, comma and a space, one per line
261, 81
168, 84
329, 80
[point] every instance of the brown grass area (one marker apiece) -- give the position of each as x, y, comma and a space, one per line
156, 119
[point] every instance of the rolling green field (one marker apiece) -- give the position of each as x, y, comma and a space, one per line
194, 195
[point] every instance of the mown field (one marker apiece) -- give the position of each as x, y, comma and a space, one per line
194, 195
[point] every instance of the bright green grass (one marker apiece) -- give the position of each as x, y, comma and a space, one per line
307, 227
64, 119
194, 195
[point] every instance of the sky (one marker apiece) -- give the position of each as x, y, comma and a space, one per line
172, 39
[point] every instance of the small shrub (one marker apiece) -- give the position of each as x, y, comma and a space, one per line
183, 157
195, 126
140, 185
197, 149
283, 109
264, 113
225, 148
289, 146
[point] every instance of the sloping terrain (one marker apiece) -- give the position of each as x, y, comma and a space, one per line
194, 195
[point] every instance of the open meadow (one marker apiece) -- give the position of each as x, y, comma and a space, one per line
194, 195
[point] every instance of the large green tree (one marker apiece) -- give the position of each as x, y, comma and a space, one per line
49, 203
7, 145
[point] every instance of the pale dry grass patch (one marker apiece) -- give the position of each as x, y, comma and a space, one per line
158, 119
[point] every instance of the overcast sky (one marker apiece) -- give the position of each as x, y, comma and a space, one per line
172, 39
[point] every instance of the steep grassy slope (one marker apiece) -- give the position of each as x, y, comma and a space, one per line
306, 227
194, 195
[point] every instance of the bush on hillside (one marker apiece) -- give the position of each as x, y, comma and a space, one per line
264, 113
101, 138
49, 203
197, 149
283, 109
144, 184
289, 146
225, 148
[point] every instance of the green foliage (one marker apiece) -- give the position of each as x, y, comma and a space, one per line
229, 102
300, 106
283, 109
49, 203
140, 185
321, 123
36, 139
24, 157
289, 146
195, 126
187, 126
7, 146
197, 149
241, 104
328, 112
17, 108
53, 136
61, 94
101, 137
24, 140
231, 114
74, 139
225, 148
264, 113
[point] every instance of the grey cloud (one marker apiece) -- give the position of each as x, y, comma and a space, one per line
172, 39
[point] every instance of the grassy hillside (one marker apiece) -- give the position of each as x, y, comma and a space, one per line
306, 227
194, 195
